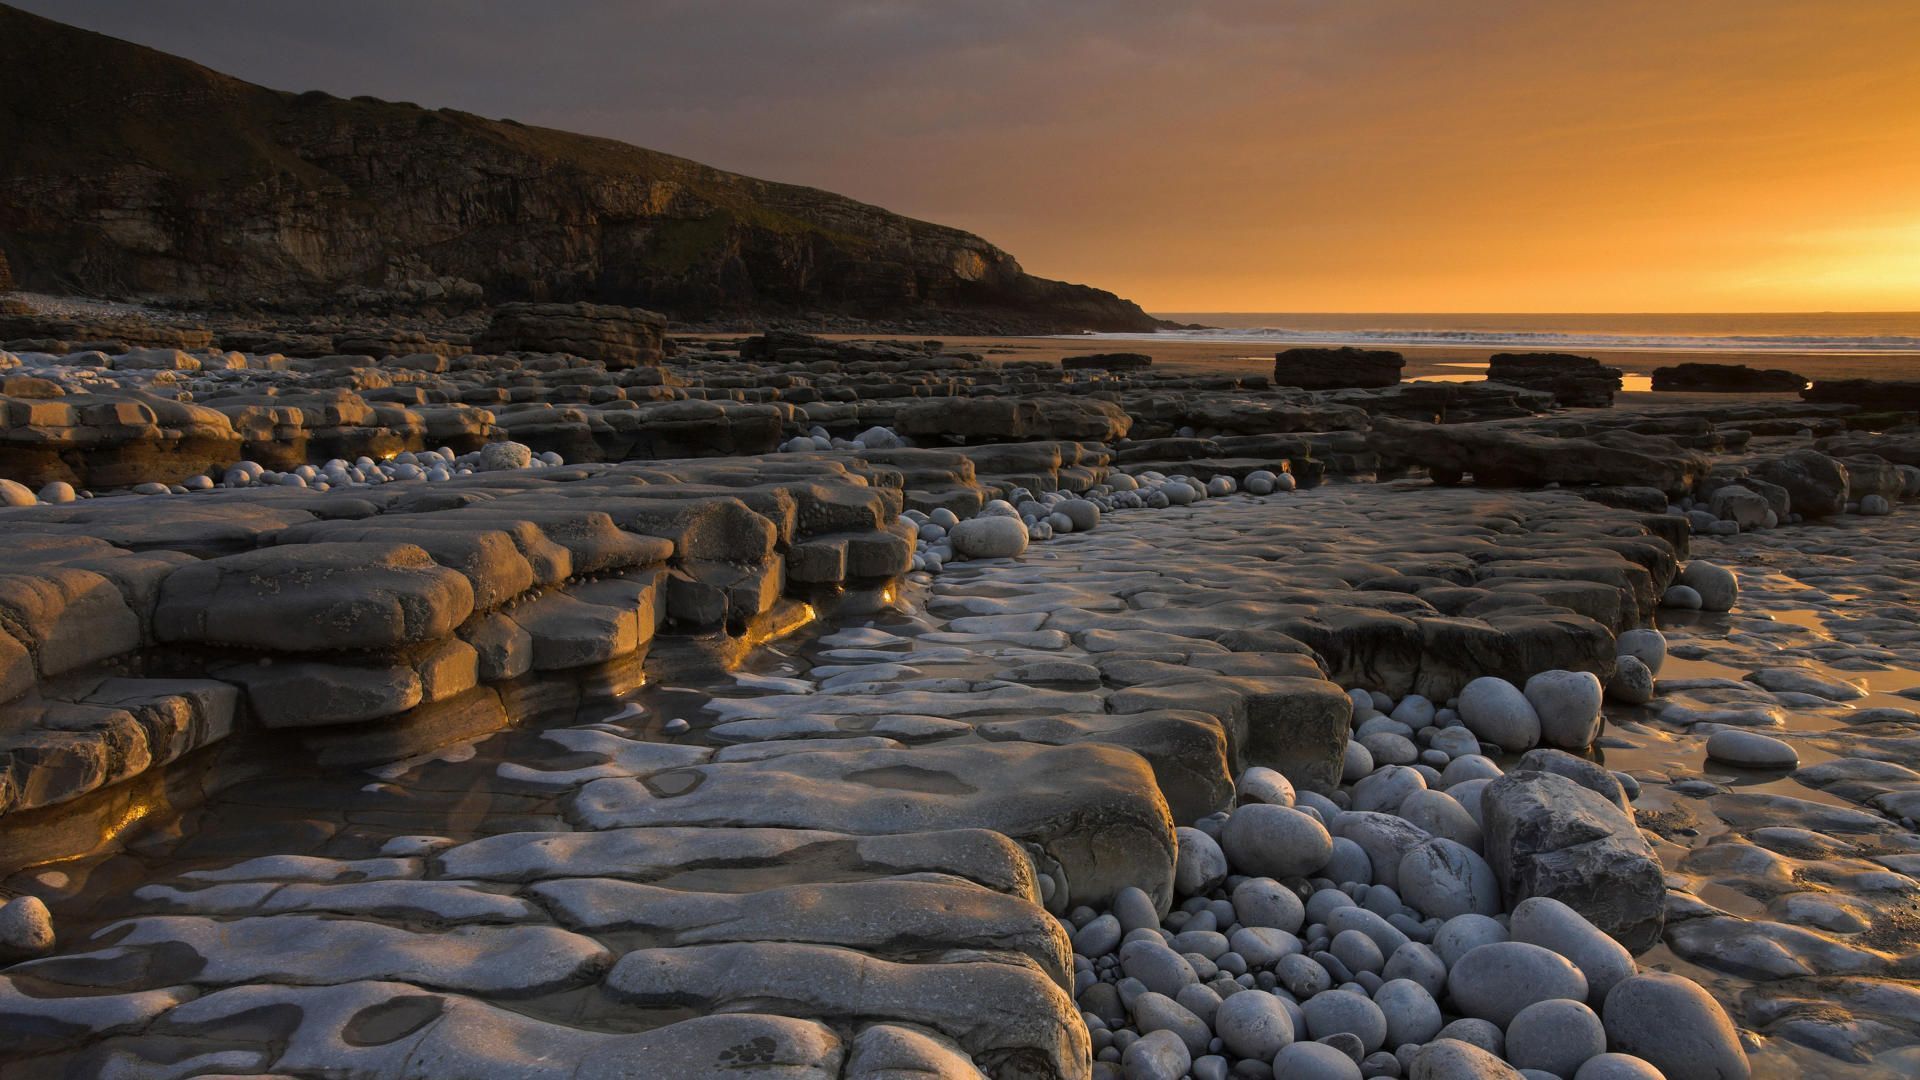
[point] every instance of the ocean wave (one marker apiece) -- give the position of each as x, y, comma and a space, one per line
1542, 340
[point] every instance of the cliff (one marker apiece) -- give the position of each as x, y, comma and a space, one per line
130, 172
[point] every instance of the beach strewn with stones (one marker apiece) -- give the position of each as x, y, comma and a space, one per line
562, 696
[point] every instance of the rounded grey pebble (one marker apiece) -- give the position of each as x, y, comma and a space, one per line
1481, 1033
1555, 1036
1263, 946
1413, 1016
1443, 878
1314, 1061
1420, 964
1357, 951
1265, 902
1387, 787
1464, 933
1159, 968
1254, 1025
1302, 976
1494, 982
1550, 924
1343, 1011
1381, 1063
1356, 762
1451, 1059
1675, 1025
1098, 938
1200, 866
1275, 841
1157, 1055
1158, 1012
1135, 910
1496, 711
1632, 683
1617, 1067
1442, 815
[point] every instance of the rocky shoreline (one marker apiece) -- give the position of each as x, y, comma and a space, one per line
819, 708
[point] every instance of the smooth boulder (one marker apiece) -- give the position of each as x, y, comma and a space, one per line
1568, 705
1494, 982
1497, 712
1264, 840
989, 537
1674, 1025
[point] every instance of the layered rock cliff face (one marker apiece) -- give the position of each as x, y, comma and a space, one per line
128, 171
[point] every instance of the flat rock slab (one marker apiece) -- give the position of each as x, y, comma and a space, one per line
161, 950
745, 858
1108, 829
1011, 1019
386, 1029
895, 918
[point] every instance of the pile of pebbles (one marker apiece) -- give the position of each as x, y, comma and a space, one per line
1004, 527
426, 465
1303, 946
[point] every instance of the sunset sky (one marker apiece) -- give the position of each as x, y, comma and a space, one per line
1288, 155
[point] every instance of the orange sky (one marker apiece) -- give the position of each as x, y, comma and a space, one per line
1694, 157
1232, 155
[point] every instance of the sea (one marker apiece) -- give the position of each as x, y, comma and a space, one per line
1834, 332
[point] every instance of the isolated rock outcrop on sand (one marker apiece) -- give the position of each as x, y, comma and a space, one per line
1726, 379
1574, 381
1330, 369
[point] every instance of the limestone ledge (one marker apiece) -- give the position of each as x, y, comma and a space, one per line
134, 631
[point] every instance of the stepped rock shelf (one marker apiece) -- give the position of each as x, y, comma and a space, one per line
552, 695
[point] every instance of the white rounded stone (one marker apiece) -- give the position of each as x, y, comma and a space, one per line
1646, 645
14, 493
1568, 705
1751, 750
1497, 712
989, 537
1263, 785
1719, 589
503, 456
26, 928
